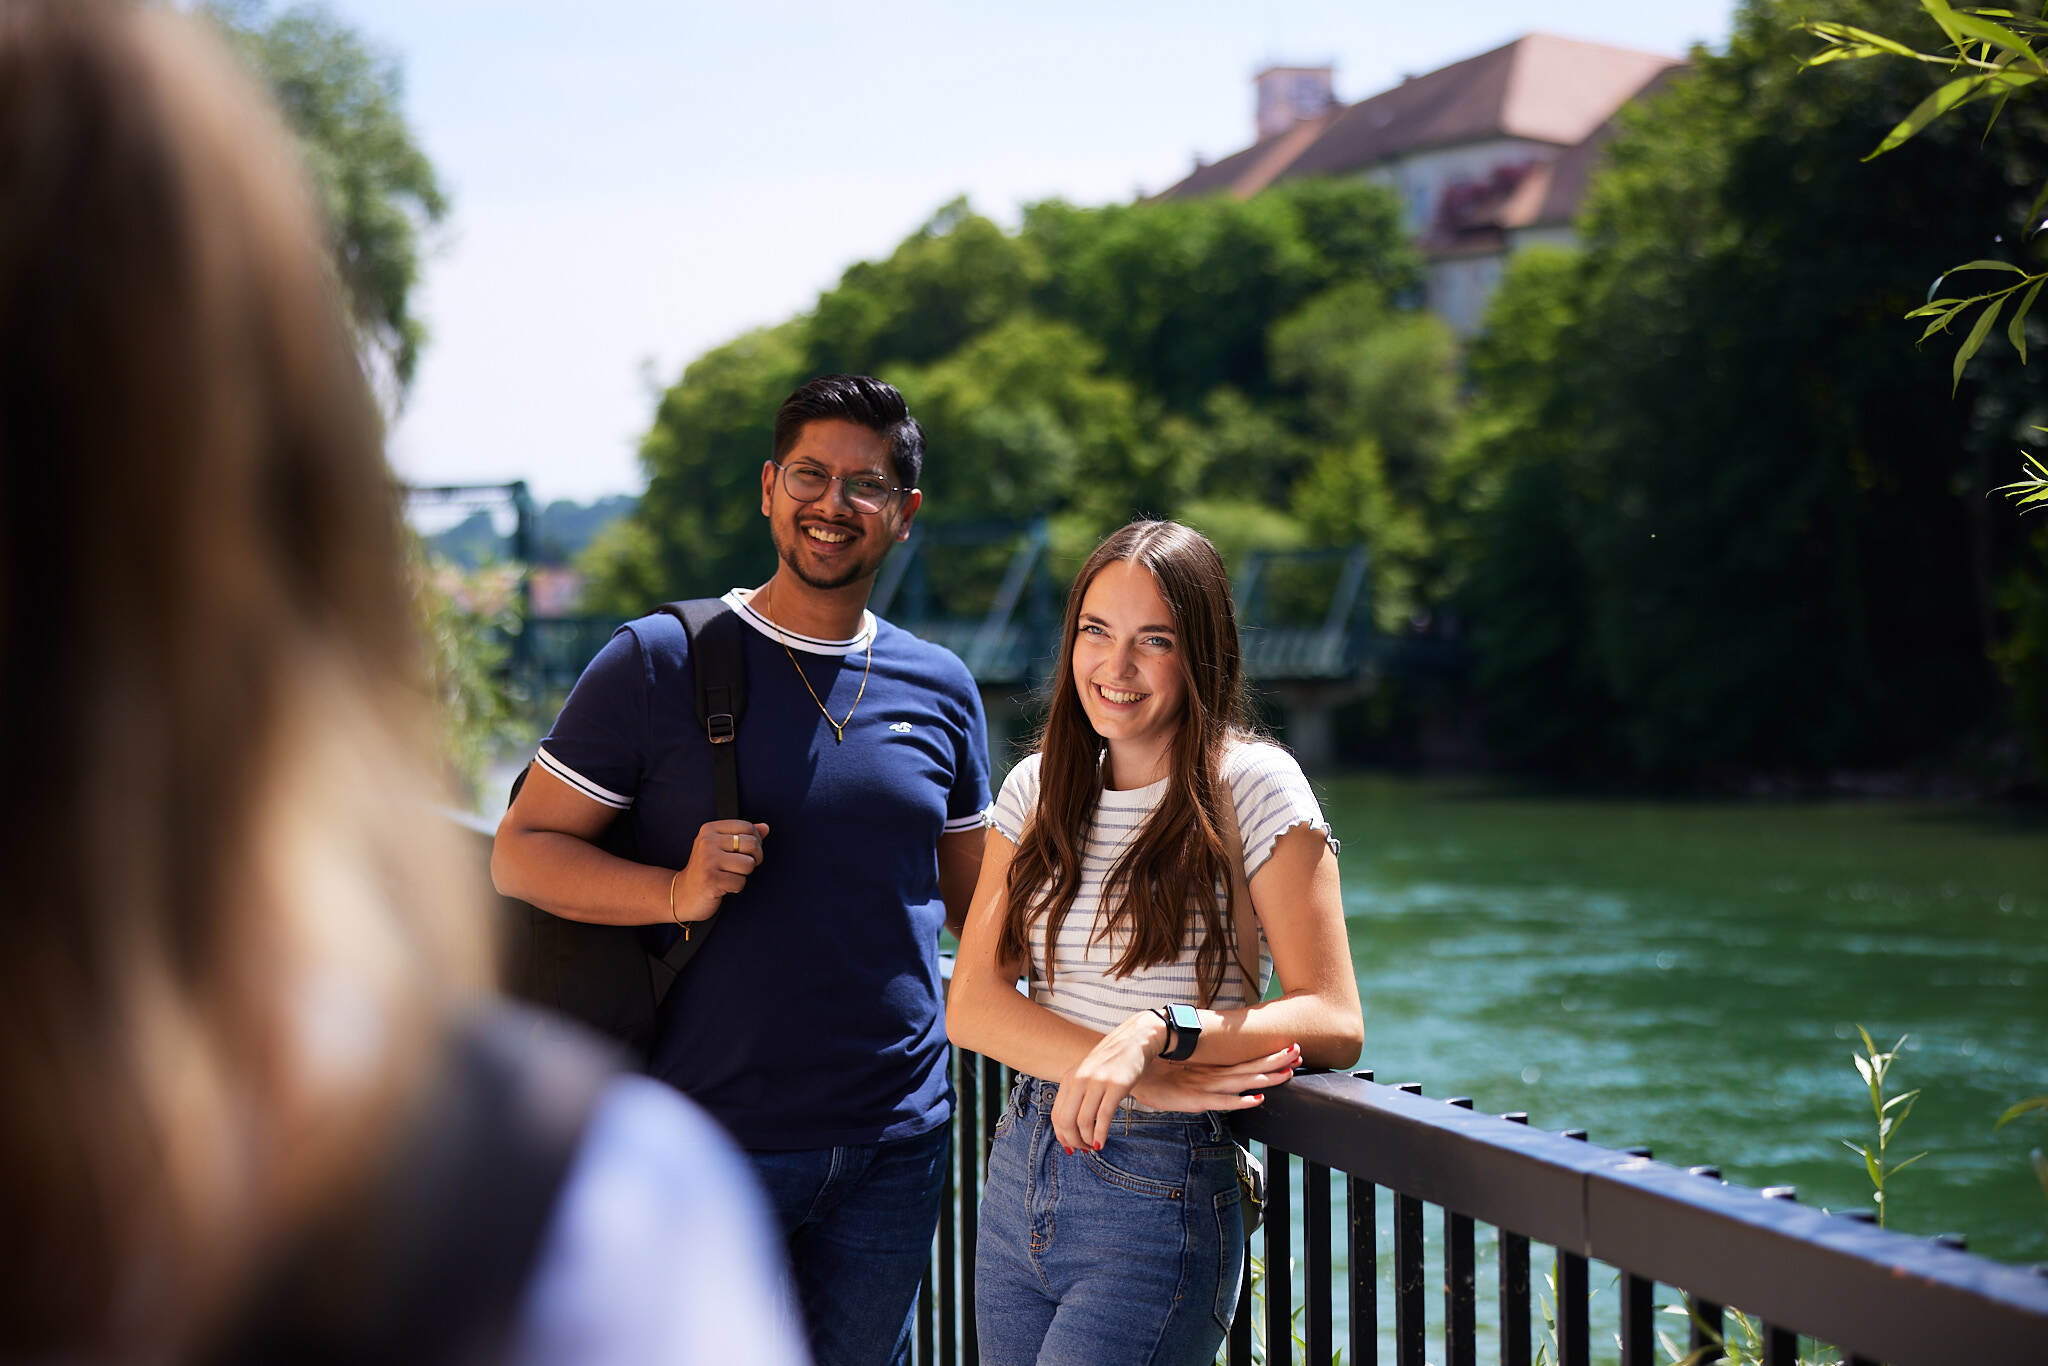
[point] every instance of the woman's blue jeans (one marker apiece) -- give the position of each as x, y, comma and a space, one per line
1125, 1257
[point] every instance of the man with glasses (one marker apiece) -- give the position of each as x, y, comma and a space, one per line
809, 1023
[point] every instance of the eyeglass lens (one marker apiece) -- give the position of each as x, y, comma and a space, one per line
807, 484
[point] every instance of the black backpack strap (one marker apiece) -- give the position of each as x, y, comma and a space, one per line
428, 1266
716, 644
578, 967
717, 660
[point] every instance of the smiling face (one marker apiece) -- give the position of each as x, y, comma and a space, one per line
1128, 673
829, 544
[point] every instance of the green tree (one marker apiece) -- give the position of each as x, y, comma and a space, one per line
344, 99
1093, 365
464, 617
1529, 587
1379, 396
1026, 422
952, 279
1182, 294
695, 531
1770, 545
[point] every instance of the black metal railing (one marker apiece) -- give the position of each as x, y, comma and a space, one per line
1755, 1268
1682, 1245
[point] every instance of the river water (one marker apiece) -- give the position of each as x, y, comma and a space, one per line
1690, 975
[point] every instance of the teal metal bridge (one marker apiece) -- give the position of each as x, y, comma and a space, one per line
987, 592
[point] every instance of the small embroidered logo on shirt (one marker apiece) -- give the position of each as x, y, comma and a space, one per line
901, 728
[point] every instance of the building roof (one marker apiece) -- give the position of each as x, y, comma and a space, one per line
1244, 174
1539, 88
1554, 189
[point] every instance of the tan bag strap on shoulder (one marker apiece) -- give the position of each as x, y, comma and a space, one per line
1240, 897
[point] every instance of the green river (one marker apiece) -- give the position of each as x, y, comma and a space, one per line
1690, 975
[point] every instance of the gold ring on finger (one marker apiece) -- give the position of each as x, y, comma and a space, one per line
735, 842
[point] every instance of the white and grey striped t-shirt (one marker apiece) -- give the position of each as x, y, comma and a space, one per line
1271, 795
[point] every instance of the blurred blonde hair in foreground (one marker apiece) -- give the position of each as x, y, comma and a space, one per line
232, 930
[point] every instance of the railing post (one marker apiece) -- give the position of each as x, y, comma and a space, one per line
1638, 1309
1410, 1329
1709, 1320
949, 1240
1361, 1204
1514, 1286
1460, 1283
967, 1157
927, 1318
1315, 1257
1574, 1346
1781, 1346
1279, 1275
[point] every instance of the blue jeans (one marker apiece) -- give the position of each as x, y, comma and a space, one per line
1126, 1257
859, 1222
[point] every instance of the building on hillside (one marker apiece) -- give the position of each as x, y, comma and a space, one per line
1488, 155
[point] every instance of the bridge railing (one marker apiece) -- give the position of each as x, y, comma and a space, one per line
1753, 1269
1778, 1282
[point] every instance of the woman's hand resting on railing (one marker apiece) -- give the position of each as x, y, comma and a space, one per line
1126, 1063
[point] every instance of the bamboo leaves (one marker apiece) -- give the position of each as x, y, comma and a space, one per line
2030, 488
1948, 98
1996, 53
1941, 312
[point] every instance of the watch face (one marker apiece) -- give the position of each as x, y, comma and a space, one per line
1185, 1018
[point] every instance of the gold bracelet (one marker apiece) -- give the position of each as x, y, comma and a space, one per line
672, 903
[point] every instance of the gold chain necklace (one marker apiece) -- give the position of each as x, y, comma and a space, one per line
838, 727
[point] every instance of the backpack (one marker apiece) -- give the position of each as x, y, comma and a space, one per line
614, 978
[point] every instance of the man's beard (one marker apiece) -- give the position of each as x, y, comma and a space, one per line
791, 556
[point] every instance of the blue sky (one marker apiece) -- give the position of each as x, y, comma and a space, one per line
635, 182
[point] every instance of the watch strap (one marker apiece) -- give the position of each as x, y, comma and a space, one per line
1180, 1041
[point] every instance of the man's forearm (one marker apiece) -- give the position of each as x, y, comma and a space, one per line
574, 879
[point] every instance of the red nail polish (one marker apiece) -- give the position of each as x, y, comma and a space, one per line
1260, 1096
1070, 1151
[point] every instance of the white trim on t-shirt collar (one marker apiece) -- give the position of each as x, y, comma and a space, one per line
739, 600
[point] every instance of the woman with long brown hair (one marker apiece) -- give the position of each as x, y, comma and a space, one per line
1150, 867
254, 1088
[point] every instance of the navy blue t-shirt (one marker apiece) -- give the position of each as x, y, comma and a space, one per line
812, 1016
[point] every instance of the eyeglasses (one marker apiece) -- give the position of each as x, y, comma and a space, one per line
808, 483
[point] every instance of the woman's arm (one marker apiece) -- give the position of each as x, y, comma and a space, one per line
1300, 904
1316, 1021
984, 1010
986, 1013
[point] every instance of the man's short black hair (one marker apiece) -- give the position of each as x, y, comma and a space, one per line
864, 401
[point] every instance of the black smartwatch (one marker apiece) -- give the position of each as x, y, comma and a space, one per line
1183, 1032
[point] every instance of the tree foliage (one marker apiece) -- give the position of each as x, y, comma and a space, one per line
1734, 522
1991, 56
1093, 364
696, 526
1704, 508
345, 101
